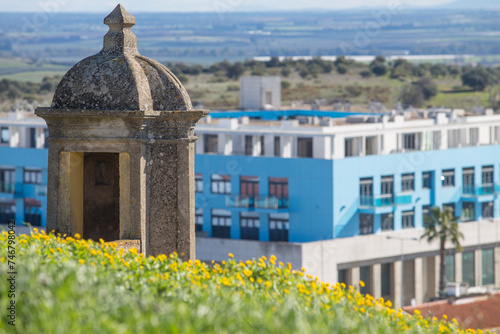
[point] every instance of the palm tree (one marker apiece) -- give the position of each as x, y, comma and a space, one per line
442, 225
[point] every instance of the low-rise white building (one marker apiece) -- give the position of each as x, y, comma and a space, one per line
258, 92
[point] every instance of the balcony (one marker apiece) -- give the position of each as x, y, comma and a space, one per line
7, 188
470, 190
260, 202
384, 200
21, 190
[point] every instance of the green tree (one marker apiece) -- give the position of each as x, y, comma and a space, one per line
411, 95
429, 88
235, 71
378, 66
441, 225
478, 77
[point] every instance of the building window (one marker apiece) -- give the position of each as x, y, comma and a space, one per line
198, 183
33, 176
426, 211
488, 265
4, 135
468, 180
211, 143
7, 180
278, 227
7, 212
436, 140
249, 225
305, 147
467, 211
408, 219
262, 146
342, 276
33, 137
449, 261
487, 179
46, 132
248, 145
451, 206
278, 187
448, 178
198, 220
387, 222
221, 184
249, 186
408, 182
468, 268
387, 189
427, 180
352, 146
277, 146
365, 275
221, 223
387, 185
33, 211
386, 280
487, 209
365, 224
366, 191
410, 141
371, 145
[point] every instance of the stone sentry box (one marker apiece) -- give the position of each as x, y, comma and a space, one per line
121, 148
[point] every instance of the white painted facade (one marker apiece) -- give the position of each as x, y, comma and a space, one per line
258, 92
352, 136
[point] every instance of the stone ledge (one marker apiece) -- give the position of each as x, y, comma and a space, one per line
128, 244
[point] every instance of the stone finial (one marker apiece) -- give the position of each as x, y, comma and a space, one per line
120, 38
119, 78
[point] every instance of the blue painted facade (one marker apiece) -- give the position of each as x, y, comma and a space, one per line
30, 198
324, 195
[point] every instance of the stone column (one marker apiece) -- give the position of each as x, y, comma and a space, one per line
355, 276
396, 278
478, 267
376, 283
458, 267
419, 281
497, 266
437, 261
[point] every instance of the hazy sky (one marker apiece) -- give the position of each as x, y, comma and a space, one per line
136, 6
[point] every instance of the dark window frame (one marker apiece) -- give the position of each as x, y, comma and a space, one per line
278, 229
222, 185
366, 223
221, 226
408, 219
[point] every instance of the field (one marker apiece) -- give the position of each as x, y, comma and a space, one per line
209, 37
69, 285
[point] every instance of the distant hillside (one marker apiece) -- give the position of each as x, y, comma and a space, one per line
473, 4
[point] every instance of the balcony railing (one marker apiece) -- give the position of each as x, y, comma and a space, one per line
470, 190
7, 188
260, 202
384, 200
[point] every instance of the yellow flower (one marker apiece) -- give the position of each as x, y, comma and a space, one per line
231, 255
82, 261
417, 312
362, 284
77, 236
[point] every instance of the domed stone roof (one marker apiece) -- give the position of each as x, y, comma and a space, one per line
119, 78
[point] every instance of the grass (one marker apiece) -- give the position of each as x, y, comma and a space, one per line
69, 285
